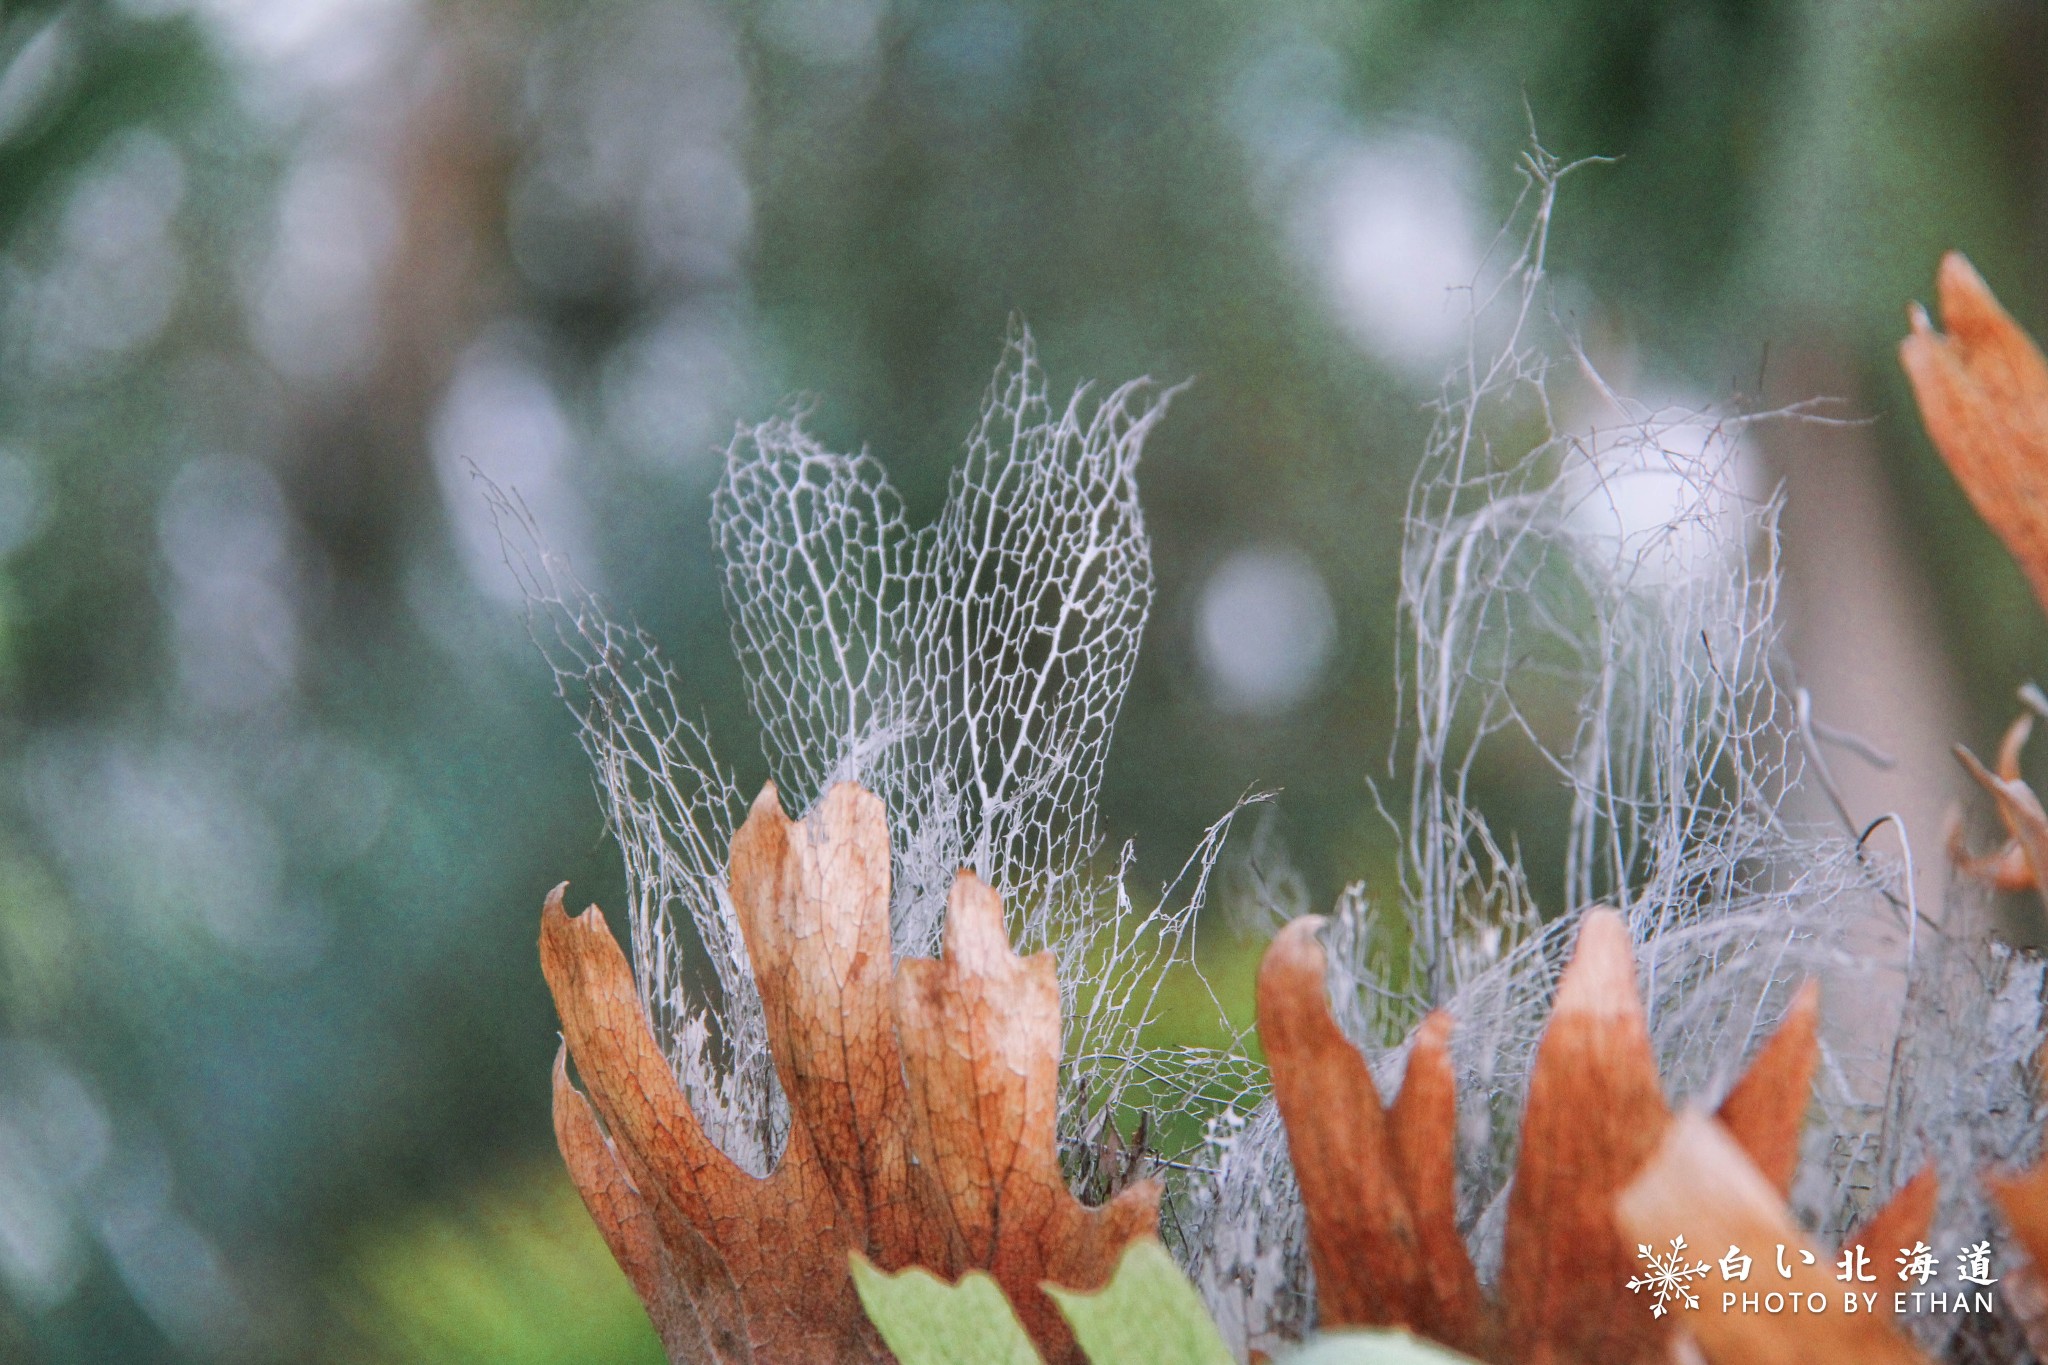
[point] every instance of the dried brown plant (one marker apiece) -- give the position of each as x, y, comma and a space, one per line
923, 1099
1378, 1183
2022, 1200
1701, 1183
2018, 865
1983, 393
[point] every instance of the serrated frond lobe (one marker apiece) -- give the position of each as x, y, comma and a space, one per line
1361, 1229
1766, 1109
1594, 1113
1379, 1185
1983, 393
922, 1103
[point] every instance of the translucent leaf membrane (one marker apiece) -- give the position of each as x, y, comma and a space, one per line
969, 672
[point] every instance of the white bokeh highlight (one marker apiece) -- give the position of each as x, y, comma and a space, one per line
1663, 497
502, 420
1264, 630
226, 533
1387, 225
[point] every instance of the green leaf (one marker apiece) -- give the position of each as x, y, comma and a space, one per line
1148, 1314
1374, 1348
926, 1321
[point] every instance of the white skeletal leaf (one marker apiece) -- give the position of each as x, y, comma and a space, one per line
969, 672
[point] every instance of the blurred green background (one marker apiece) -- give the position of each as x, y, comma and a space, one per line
282, 781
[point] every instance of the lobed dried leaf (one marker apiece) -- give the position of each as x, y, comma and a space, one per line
1379, 1185
1363, 1242
1983, 394
1699, 1184
922, 1103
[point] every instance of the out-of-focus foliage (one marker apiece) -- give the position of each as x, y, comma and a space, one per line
281, 777
518, 1277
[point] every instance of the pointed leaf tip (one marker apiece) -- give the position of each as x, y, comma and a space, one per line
1595, 1111
1299, 944
2013, 745
1982, 390
1600, 978
1361, 1231
1765, 1112
975, 936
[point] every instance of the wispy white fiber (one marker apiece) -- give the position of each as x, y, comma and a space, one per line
969, 672
1638, 667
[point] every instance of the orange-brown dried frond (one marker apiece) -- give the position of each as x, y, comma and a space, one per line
2022, 1199
696, 1313
1983, 394
772, 1279
1595, 1122
1766, 1110
1901, 1222
2022, 864
981, 1038
922, 1105
1362, 1237
1594, 1114
1699, 1185
1424, 1121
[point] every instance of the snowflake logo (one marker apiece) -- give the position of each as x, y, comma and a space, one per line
1668, 1277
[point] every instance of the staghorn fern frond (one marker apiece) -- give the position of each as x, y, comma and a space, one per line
969, 672
1635, 659
673, 807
